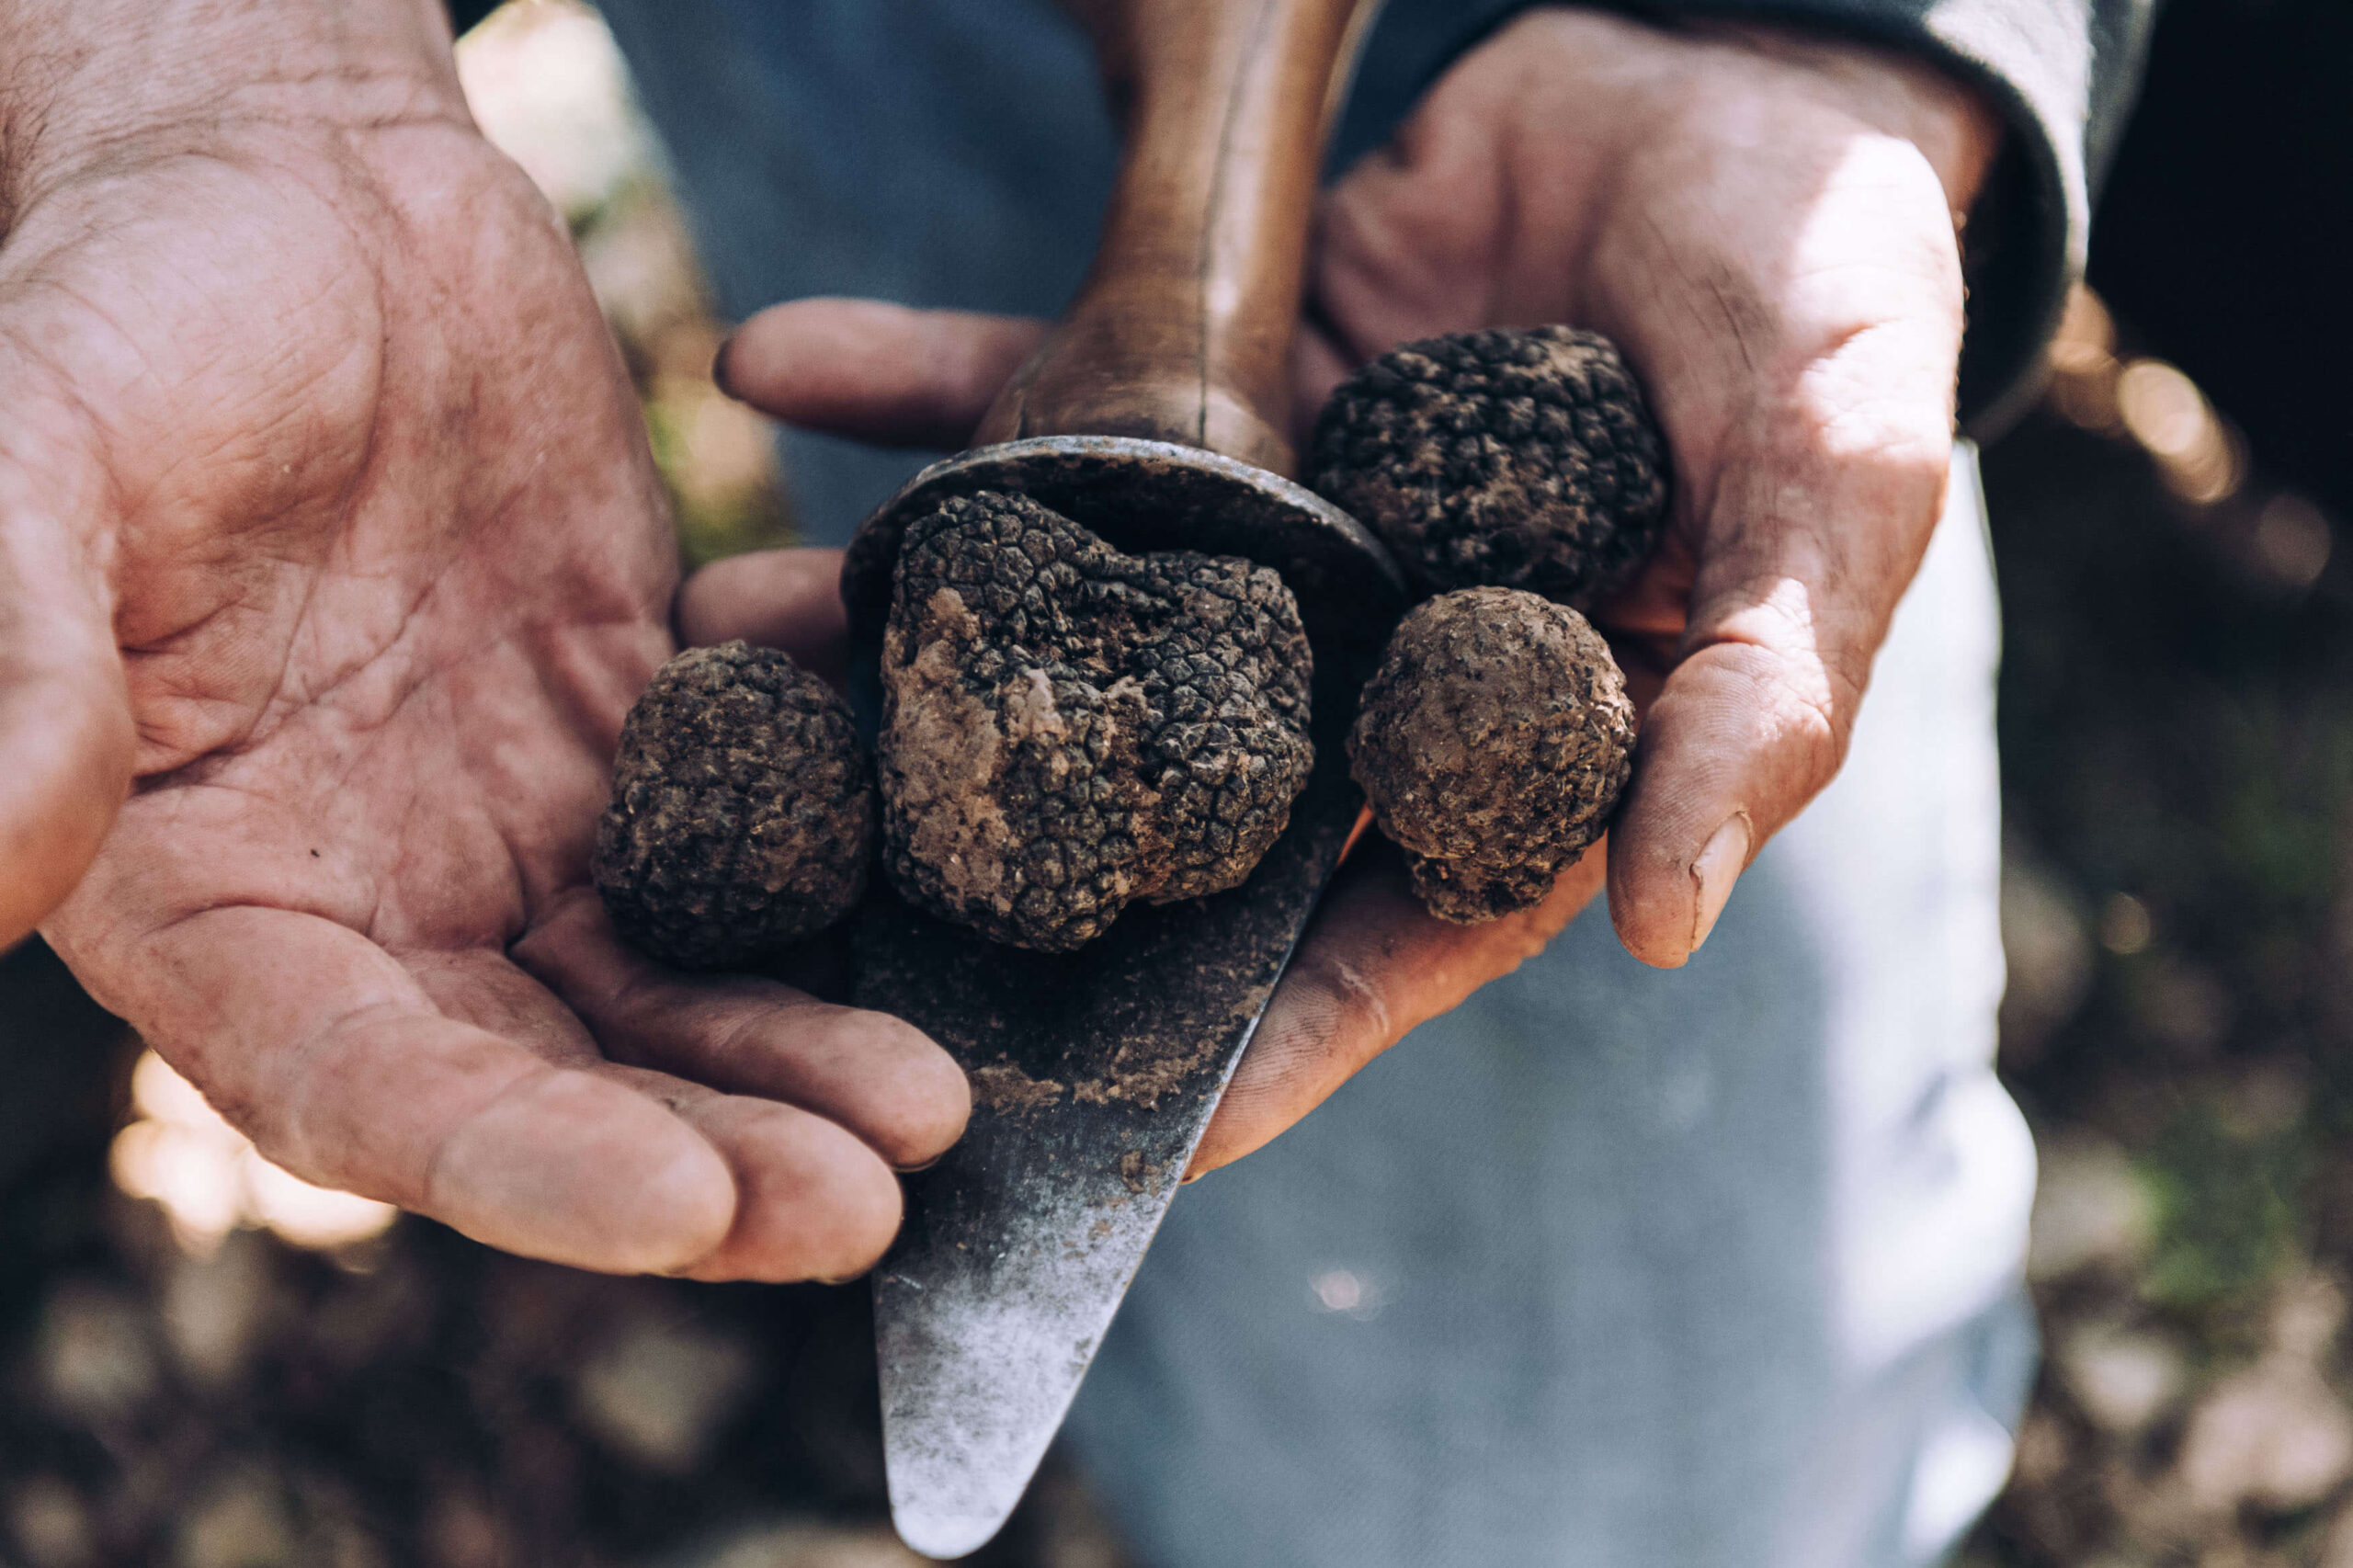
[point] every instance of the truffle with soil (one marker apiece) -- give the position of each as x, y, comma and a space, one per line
742, 814
1492, 743
1504, 458
1068, 729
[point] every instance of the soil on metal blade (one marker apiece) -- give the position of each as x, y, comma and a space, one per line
1138, 1020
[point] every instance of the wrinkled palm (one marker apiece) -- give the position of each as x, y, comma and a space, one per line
323, 418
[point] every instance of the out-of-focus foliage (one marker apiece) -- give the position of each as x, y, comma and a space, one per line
550, 88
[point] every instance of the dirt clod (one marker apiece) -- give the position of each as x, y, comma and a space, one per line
1068, 729
1523, 459
1494, 743
743, 812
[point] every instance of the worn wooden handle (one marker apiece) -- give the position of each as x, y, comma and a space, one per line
1182, 331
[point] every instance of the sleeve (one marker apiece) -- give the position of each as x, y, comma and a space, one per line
2064, 72
464, 13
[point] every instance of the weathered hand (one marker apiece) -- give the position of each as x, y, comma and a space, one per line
1765, 224
306, 408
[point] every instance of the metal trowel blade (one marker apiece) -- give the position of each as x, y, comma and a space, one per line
1094, 1075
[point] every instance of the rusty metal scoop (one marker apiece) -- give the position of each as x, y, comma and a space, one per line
1154, 415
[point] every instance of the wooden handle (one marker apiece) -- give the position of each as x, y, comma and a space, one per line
1182, 331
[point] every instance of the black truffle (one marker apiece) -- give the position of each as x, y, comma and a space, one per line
1505, 458
1068, 729
742, 812
1494, 743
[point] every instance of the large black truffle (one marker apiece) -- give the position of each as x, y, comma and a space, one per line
1068, 729
1494, 743
743, 812
1522, 458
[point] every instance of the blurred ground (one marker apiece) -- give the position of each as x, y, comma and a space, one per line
2178, 744
547, 87
233, 1372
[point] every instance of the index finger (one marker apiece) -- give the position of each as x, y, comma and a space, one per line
876, 371
1791, 599
1372, 966
331, 1056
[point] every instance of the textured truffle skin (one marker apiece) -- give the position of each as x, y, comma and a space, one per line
742, 814
1068, 729
1521, 459
1494, 743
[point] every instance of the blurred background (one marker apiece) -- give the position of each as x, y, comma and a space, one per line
206, 1363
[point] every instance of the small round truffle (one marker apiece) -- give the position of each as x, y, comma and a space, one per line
742, 814
1067, 729
1494, 743
1521, 459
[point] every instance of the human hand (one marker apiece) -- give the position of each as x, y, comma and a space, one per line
1765, 224
329, 531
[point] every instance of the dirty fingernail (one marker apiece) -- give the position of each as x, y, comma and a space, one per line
1718, 867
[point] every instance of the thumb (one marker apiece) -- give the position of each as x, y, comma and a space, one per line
876, 371
1796, 582
66, 737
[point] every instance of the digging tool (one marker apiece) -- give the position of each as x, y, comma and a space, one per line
1153, 415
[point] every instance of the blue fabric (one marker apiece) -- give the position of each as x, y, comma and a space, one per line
1612, 1266
975, 115
948, 152
1716, 1269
